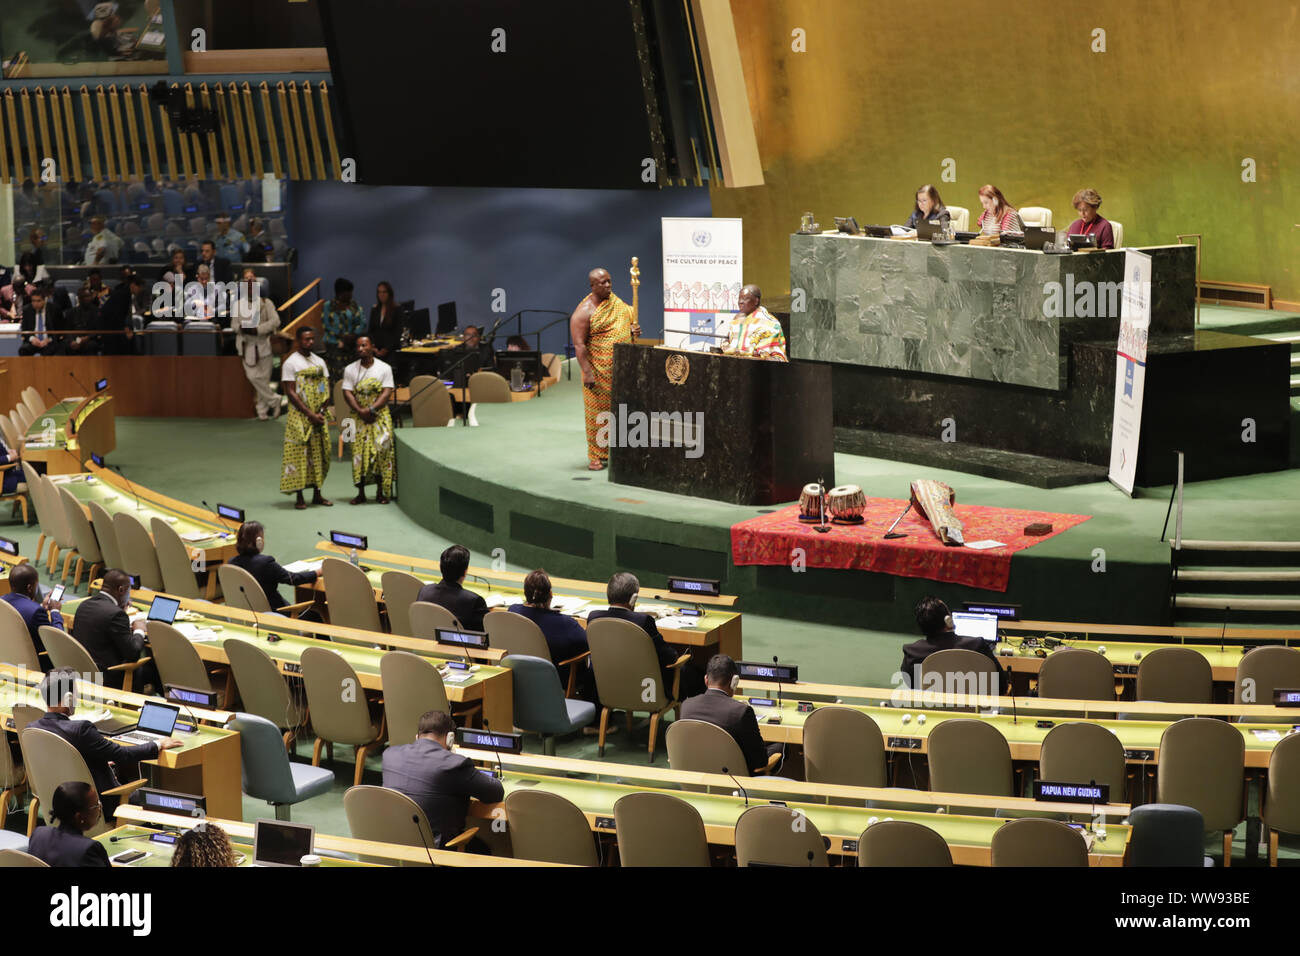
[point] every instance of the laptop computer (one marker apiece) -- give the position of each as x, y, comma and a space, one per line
880, 232
163, 609
1079, 241
983, 626
446, 318
276, 843
1037, 236
156, 722
926, 228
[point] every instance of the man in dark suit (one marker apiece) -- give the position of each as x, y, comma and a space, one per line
717, 706
218, 268
102, 627
622, 592
935, 621
24, 597
103, 755
440, 781
76, 809
41, 316
468, 607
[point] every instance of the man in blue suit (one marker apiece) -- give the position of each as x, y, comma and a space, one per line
24, 597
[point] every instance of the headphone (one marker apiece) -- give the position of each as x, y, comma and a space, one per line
948, 624
735, 682
261, 542
70, 700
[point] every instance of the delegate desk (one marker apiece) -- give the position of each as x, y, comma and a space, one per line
200, 529
139, 824
969, 838
716, 631
159, 844
67, 433
207, 763
215, 623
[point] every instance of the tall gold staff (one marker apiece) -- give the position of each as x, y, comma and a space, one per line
636, 285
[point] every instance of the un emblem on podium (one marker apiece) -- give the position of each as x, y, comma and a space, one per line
677, 368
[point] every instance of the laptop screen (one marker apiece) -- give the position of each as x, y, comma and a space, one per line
281, 844
983, 626
158, 718
164, 609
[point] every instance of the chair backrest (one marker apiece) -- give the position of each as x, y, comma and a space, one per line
10, 772
177, 660
426, 617
83, 535
622, 656
1175, 675
1282, 800
961, 672
174, 561
387, 816
262, 687
1117, 229
138, 554
16, 421
769, 835
106, 535
265, 772
1080, 752
66, 651
25, 417
1076, 674
552, 364
969, 756
902, 843
32, 399
658, 829
1262, 671
1035, 842
1036, 216
400, 591
412, 688
57, 527
549, 829
16, 645
516, 634
7, 430
336, 717
50, 761
231, 577
960, 218
430, 402
538, 696
36, 490
488, 387
349, 595
1164, 834
1200, 765
24, 714
10, 859
696, 746
843, 746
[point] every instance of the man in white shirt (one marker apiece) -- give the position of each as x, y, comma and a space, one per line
368, 388
104, 244
255, 321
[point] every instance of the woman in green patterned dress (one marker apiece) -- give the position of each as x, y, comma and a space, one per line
305, 379
367, 388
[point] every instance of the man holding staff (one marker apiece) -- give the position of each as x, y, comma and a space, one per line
600, 321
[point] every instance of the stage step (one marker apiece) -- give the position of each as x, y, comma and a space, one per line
1237, 575
1206, 544
1238, 603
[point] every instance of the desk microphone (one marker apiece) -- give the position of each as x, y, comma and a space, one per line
1223, 634
52, 395
811, 858
415, 818
129, 482
500, 769
1011, 692
738, 786
77, 381
219, 516
776, 671
257, 634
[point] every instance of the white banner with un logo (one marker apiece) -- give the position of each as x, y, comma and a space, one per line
703, 272
1130, 370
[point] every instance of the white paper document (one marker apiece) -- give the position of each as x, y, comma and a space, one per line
986, 544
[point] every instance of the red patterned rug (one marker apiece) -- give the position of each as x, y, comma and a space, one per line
771, 538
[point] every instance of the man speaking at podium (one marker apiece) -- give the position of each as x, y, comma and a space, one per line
754, 331
600, 321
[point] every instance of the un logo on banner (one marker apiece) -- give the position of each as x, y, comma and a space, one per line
1128, 379
701, 237
1137, 273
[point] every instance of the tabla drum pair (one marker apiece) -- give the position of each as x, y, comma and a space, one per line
846, 504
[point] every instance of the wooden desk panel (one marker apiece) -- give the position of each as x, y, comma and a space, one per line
158, 386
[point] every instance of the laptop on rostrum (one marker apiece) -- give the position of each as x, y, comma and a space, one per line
1037, 236
928, 228
277, 843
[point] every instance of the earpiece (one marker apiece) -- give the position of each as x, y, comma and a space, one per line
261, 542
735, 682
70, 700
947, 622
